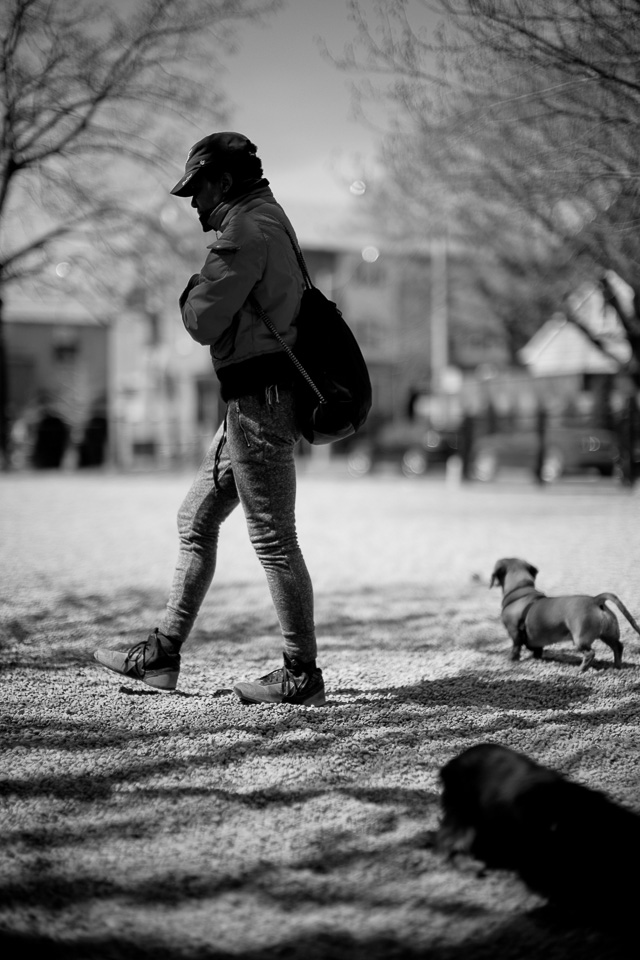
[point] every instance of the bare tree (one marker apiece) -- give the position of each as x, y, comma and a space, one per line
94, 99
514, 124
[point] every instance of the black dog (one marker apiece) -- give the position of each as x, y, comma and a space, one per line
567, 842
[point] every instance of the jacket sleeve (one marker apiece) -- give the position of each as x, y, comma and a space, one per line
212, 298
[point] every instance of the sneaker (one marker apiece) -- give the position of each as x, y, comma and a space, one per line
295, 682
154, 661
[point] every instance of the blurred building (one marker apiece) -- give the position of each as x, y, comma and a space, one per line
562, 367
57, 367
161, 396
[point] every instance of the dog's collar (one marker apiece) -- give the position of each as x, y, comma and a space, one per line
523, 589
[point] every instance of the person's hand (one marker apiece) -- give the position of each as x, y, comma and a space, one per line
193, 280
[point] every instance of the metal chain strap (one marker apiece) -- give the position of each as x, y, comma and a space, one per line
264, 316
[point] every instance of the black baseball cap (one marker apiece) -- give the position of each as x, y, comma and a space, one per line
224, 150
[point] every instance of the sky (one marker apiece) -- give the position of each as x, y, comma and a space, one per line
296, 107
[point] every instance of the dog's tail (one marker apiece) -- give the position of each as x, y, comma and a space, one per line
620, 605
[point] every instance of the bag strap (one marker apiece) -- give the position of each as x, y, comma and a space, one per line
299, 258
266, 319
308, 282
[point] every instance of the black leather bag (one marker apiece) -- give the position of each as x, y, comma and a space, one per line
334, 391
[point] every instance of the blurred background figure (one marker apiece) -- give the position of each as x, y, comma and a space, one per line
50, 437
93, 444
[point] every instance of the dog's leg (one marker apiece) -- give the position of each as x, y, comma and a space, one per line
588, 656
617, 648
537, 653
519, 637
611, 636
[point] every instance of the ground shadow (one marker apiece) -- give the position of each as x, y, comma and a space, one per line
537, 935
66, 631
483, 691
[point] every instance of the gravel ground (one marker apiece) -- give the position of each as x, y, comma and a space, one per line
184, 825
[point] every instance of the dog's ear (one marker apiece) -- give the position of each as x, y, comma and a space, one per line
499, 573
532, 570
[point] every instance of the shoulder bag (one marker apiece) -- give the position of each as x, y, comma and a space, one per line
335, 388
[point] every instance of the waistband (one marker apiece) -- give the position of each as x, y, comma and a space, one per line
252, 377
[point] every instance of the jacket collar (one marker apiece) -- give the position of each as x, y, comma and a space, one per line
260, 191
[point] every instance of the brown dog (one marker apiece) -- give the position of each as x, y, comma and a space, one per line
534, 620
567, 842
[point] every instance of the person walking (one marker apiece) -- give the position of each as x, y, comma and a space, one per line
250, 265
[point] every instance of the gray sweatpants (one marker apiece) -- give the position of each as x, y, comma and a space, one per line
253, 464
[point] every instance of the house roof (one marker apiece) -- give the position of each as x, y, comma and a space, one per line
561, 347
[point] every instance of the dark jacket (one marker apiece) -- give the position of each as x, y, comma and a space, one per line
251, 255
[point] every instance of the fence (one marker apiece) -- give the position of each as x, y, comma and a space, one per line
548, 444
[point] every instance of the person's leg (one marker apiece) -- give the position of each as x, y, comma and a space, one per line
210, 500
261, 436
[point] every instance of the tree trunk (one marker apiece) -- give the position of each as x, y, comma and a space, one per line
4, 396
